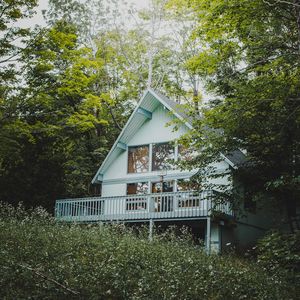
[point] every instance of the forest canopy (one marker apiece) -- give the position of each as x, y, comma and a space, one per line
68, 87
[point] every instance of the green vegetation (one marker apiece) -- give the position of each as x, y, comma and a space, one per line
249, 59
43, 259
66, 90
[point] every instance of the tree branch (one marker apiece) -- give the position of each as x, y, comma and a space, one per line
38, 273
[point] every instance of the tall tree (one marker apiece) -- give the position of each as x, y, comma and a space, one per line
14, 39
63, 118
249, 59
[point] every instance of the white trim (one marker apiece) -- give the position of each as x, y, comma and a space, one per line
229, 161
150, 156
117, 140
153, 176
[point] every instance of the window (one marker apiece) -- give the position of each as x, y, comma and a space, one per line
138, 159
163, 203
187, 184
162, 156
185, 153
167, 187
191, 198
137, 202
138, 188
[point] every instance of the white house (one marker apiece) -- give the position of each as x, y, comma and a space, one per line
139, 182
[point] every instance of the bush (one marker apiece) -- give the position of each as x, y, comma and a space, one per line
280, 253
43, 259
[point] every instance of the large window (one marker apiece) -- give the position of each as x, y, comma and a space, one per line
187, 184
138, 159
162, 156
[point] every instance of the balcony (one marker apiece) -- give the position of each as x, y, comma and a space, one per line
164, 206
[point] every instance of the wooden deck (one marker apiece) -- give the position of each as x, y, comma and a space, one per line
176, 205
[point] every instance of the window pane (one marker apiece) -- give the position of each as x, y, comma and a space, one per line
138, 159
138, 188
162, 157
167, 187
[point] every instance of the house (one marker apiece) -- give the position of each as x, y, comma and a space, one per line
140, 184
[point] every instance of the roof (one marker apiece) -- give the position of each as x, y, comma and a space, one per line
143, 112
235, 158
178, 108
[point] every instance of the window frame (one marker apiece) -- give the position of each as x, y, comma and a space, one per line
136, 146
175, 152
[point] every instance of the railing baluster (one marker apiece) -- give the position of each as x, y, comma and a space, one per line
184, 204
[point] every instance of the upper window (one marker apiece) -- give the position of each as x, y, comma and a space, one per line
162, 156
138, 159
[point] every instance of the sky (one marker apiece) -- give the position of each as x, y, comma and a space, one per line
38, 19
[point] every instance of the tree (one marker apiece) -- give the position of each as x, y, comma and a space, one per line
249, 59
13, 37
63, 118
13, 42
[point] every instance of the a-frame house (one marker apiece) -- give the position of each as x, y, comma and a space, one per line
140, 184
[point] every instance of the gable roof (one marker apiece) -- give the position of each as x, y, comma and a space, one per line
143, 112
147, 104
235, 158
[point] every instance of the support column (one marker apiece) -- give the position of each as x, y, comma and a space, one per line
208, 234
151, 224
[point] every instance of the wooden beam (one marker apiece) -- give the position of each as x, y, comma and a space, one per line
122, 146
145, 112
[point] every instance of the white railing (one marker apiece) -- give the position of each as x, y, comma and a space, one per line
172, 205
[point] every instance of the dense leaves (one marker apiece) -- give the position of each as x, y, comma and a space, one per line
41, 258
249, 59
279, 253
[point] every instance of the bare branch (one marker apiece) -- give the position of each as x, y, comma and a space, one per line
38, 273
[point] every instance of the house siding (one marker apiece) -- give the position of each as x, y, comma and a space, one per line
155, 130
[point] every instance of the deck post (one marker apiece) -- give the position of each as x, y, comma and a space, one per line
208, 234
151, 223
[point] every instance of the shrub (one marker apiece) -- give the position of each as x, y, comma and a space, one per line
280, 253
44, 259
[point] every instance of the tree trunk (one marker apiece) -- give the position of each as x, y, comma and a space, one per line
196, 100
297, 13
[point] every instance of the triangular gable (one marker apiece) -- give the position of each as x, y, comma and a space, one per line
143, 112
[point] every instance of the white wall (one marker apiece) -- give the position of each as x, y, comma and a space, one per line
109, 190
156, 131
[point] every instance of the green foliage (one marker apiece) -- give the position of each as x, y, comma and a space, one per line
249, 60
12, 37
54, 129
41, 258
280, 254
